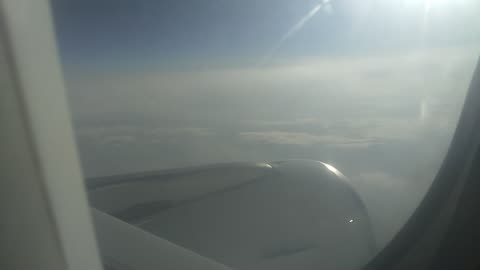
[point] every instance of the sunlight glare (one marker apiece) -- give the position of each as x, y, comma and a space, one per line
296, 27
333, 169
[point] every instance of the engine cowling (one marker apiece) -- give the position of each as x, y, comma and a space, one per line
295, 214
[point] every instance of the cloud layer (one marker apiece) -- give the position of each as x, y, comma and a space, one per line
384, 120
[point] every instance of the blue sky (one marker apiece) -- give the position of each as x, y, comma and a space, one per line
210, 33
372, 87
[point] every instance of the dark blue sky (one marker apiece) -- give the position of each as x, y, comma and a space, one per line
175, 30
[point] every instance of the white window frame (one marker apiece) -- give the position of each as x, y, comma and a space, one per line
46, 221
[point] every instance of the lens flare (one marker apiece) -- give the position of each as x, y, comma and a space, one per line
296, 27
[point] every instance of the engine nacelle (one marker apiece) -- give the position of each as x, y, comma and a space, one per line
295, 214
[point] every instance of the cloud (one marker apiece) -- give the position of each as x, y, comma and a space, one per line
381, 180
119, 139
337, 87
124, 134
389, 100
193, 131
390, 199
351, 132
301, 138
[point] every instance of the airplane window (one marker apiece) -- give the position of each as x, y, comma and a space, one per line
265, 134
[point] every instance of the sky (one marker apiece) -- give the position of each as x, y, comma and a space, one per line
372, 87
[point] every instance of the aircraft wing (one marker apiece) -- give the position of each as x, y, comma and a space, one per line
295, 214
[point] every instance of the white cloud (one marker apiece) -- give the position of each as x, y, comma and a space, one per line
193, 131
390, 199
301, 138
117, 140
329, 86
409, 97
123, 134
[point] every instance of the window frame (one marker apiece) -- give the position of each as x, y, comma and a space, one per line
47, 218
